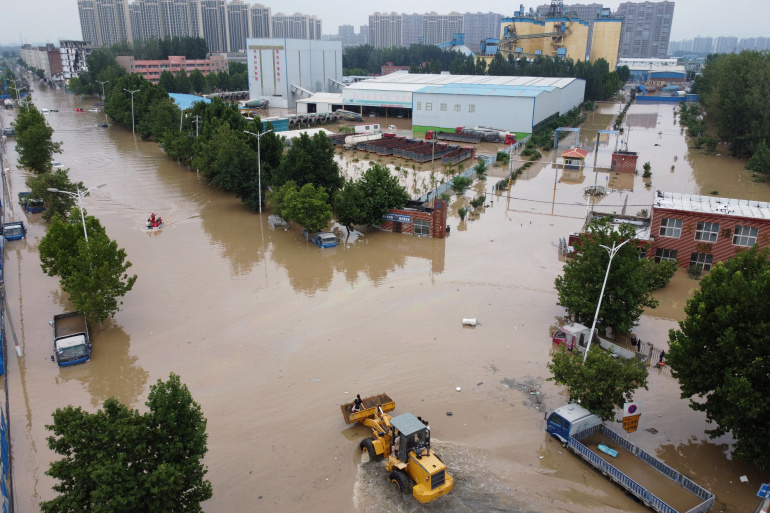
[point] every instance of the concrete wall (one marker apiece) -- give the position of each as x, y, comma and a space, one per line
572, 95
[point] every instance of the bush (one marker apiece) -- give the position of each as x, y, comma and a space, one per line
478, 201
462, 212
460, 184
694, 271
503, 157
445, 196
647, 167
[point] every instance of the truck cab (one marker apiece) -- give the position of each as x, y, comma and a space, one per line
321, 239
566, 421
428, 478
14, 230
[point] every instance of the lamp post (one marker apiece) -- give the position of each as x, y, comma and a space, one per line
17, 89
259, 163
132, 106
103, 87
79, 195
612, 251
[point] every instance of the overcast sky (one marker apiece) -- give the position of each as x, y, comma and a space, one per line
42, 21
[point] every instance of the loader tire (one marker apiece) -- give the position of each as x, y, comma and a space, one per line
367, 446
401, 480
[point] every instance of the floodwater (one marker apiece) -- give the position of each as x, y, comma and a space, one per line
271, 334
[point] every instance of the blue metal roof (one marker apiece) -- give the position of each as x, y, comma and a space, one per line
523, 91
185, 101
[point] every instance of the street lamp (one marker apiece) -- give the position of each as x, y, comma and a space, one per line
103, 87
79, 195
17, 89
259, 163
132, 106
601, 295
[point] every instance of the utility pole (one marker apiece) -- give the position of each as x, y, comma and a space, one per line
259, 162
132, 107
103, 97
197, 120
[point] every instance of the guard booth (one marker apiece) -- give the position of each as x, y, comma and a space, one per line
426, 219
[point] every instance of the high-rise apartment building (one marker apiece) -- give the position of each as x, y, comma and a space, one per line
440, 28
87, 13
727, 44
385, 30
175, 18
479, 26
762, 43
411, 29
702, 45
646, 29
212, 23
296, 26
747, 43
105, 22
259, 24
237, 25
135, 15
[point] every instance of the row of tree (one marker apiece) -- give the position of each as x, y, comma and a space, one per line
732, 90
155, 49
421, 58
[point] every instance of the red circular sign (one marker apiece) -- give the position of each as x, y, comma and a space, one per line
632, 409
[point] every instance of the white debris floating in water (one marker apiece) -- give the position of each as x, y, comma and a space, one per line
458, 389
469, 322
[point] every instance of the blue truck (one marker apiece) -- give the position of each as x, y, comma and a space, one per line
321, 239
31, 205
71, 344
15, 230
654, 483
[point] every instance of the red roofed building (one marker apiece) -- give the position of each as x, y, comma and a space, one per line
574, 158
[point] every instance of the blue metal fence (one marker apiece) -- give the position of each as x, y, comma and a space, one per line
632, 486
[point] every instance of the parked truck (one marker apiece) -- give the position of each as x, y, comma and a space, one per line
404, 441
574, 336
654, 483
348, 115
352, 140
321, 239
71, 344
473, 135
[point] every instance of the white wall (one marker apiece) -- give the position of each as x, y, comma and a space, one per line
572, 95
503, 112
274, 65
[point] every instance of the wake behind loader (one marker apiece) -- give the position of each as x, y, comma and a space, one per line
404, 442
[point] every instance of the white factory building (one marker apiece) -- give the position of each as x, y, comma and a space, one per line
515, 104
283, 71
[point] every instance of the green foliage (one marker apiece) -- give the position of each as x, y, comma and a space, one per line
627, 292
481, 170
478, 201
198, 81
93, 273
118, 102
310, 160
659, 274
309, 207
33, 140
760, 160
445, 196
348, 204
381, 192
503, 156
120, 460
276, 199
56, 203
647, 167
161, 49
694, 271
460, 184
603, 383
462, 212
720, 353
731, 88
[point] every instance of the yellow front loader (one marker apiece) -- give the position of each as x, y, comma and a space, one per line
404, 442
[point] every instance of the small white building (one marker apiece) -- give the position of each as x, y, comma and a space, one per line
320, 103
283, 71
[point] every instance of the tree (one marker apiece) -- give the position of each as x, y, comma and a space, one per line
310, 160
33, 140
627, 292
760, 160
603, 383
198, 81
308, 206
721, 351
183, 84
55, 202
93, 273
119, 460
167, 81
381, 192
348, 205
460, 184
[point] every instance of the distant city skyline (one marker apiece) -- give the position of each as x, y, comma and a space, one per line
48, 21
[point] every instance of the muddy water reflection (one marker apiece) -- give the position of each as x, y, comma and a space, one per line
271, 334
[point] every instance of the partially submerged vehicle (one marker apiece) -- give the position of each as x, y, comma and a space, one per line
277, 222
14, 230
31, 205
71, 344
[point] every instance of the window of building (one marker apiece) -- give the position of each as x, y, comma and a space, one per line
671, 227
707, 232
702, 260
745, 236
665, 254
422, 227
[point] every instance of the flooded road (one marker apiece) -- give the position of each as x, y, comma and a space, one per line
271, 334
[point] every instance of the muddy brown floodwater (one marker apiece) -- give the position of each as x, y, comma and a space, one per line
271, 334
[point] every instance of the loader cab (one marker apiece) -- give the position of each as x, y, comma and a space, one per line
412, 433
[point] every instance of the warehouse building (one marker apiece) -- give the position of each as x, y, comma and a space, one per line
283, 71
444, 102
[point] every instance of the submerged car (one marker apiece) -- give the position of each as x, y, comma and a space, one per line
56, 164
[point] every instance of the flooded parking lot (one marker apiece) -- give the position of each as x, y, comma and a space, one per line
271, 334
